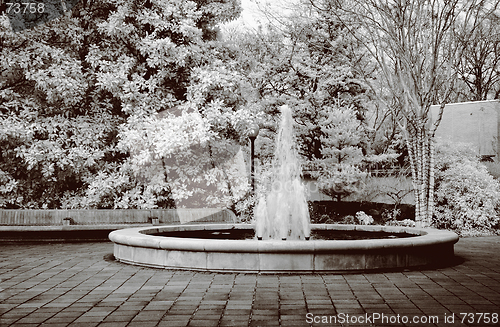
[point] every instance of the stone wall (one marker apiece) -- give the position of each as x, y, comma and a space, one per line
477, 123
10, 217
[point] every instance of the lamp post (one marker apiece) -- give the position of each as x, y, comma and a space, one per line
253, 131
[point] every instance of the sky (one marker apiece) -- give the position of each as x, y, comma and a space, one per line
252, 11
250, 15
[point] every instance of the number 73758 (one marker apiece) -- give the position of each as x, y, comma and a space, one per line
477, 318
31, 7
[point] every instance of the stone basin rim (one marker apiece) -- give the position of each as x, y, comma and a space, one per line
140, 237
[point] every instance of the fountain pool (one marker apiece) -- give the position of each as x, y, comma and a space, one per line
140, 246
280, 235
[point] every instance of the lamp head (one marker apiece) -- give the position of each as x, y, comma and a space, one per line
253, 131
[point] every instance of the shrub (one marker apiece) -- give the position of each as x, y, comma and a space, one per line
244, 208
327, 219
403, 223
493, 169
449, 154
340, 181
390, 214
363, 218
349, 219
467, 196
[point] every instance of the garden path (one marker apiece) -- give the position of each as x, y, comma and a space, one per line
78, 284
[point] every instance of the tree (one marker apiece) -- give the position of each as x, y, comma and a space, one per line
72, 87
479, 64
160, 49
308, 62
413, 43
50, 142
339, 168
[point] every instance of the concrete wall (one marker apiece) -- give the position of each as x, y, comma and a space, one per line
108, 217
313, 193
477, 123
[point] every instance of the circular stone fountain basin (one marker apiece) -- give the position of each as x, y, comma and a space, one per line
425, 247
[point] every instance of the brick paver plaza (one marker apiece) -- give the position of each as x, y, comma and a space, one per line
78, 284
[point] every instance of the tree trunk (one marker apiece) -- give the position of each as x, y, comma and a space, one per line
421, 152
410, 143
430, 205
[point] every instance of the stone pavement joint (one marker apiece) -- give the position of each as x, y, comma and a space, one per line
79, 284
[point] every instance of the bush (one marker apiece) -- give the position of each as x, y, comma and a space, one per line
349, 219
244, 208
340, 181
392, 214
493, 169
467, 196
401, 223
363, 218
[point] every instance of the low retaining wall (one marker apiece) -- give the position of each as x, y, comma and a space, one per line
11, 217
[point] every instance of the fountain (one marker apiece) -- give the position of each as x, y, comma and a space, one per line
283, 213
280, 239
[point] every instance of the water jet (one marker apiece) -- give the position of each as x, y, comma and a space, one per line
282, 212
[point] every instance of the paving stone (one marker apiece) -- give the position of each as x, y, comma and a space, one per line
143, 324
237, 312
259, 323
204, 322
70, 285
233, 322
256, 317
114, 324
59, 320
